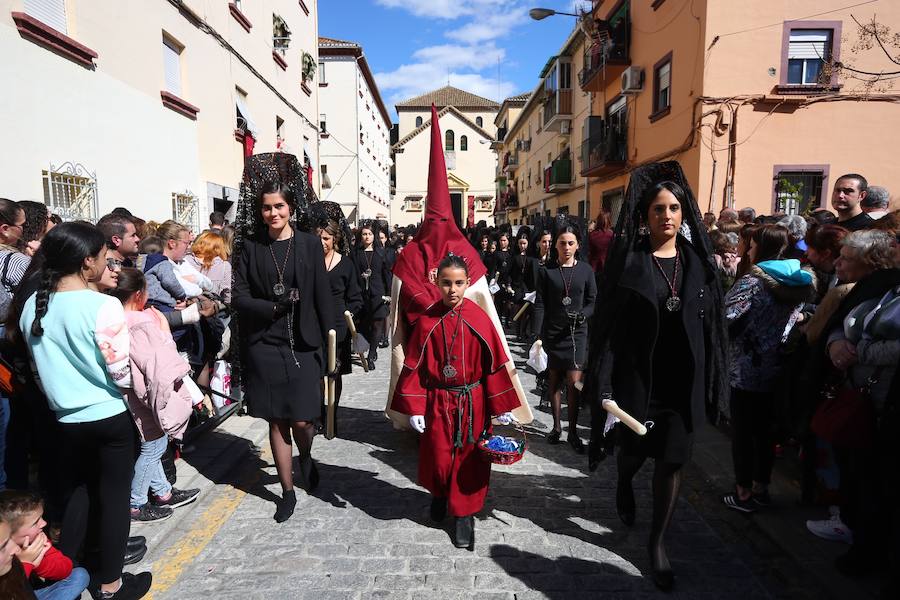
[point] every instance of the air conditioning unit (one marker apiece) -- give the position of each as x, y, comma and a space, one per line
565, 127
632, 80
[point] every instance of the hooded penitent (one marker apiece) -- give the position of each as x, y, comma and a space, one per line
258, 170
414, 288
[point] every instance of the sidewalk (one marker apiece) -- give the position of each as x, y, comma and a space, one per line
780, 529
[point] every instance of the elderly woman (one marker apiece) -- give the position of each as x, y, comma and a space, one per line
861, 345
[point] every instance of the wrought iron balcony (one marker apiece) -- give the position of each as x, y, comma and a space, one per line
511, 162
605, 152
605, 60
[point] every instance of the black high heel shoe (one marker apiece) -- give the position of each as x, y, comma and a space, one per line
553, 437
285, 506
310, 473
576, 443
625, 505
662, 575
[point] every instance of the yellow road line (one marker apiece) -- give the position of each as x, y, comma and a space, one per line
169, 568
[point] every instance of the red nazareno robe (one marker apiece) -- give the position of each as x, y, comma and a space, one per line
450, 465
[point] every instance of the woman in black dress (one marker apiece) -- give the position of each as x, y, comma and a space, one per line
566, 291
522, 282
374, 281
283, 301
390, 257
502, 266
657, 343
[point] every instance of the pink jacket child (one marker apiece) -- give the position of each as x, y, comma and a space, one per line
158, 399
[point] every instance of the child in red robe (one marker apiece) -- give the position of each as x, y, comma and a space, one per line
453, 380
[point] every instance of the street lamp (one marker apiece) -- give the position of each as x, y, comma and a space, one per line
539, 14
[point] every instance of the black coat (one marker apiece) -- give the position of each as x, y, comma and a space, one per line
253, 299
633, 319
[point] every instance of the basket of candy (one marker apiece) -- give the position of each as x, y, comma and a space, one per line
502, 450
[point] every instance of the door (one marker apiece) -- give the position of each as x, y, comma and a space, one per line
456, 205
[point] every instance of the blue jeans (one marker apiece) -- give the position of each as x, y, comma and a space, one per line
69, 588
149, 473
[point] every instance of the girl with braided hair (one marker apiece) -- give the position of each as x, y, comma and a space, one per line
78, 339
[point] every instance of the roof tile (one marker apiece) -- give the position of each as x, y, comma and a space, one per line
448, 96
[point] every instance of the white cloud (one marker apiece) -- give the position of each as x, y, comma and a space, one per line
475, 28
447, 9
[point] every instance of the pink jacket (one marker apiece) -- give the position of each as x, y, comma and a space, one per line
157, 399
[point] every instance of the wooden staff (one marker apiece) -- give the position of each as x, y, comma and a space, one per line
521, 311
612, 408
330, 389
348, 316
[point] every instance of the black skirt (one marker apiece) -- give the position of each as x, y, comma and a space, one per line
667, 440
277, 389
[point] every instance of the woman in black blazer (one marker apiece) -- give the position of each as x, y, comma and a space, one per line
375, 282
283, 299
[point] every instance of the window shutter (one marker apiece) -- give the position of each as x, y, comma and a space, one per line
809, 43
51, 12
172, 66
664, 75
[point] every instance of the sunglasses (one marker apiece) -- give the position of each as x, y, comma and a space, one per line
113, 265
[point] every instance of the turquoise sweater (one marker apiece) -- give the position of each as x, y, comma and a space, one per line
82, 357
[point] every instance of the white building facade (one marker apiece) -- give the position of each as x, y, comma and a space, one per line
152, 106
468, 129
355, 129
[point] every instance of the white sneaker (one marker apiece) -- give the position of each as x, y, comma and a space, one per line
832, 529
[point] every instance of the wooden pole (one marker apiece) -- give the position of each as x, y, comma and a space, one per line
348, 316
330, 389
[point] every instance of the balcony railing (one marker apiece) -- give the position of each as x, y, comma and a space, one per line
557, 108
605, 60
511, 162
558, 176
604, 153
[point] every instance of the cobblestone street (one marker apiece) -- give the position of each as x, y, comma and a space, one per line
548, 530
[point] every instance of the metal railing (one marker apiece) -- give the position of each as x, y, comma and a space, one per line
612, 49
70, 190
559, 173
610, 146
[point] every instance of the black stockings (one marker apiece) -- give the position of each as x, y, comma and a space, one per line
280, 431
573, 397
666, 485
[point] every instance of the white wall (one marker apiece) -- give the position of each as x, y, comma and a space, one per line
353, 160
141, 151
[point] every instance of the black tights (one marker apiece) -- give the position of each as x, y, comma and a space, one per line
373, 330
573, 397
280, 431
666, 485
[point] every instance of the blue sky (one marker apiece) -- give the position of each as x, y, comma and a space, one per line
414, 45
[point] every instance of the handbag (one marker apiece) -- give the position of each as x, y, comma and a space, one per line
846, 416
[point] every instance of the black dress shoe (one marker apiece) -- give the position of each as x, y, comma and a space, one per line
371, 363
284, 507
135, 555
576, 443
383, 344
625, 502
310, 473
553, 437
464, 536
135, 542
664, 579
438, 509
